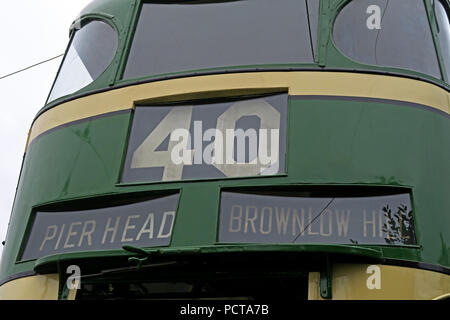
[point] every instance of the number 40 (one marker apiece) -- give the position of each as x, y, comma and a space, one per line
179, 120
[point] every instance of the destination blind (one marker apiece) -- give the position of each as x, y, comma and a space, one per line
143, 224
265, 218
208, 139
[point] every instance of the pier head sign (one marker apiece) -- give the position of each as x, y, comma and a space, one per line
143, 224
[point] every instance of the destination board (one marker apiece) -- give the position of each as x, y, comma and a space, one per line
143, 224
256, 218
213, 139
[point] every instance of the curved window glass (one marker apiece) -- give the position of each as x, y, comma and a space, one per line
91, 51
443, 27
402, 39
176, 37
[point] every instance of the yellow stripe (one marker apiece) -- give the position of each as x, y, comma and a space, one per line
297, 83
41, 287
357, 282
349, 282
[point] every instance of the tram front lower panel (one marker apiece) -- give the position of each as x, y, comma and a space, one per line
330, 144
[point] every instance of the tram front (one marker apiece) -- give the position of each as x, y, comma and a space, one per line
240, 149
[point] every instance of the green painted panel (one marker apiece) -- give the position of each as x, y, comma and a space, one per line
330, 142
66, 163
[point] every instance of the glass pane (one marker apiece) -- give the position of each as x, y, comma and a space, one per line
444, 35
404, 39
179, 37
211, 139
144, 224
291, 218
91, 51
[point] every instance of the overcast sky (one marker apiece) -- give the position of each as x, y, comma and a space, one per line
30, 31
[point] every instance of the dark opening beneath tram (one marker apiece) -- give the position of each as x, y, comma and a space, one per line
249, 277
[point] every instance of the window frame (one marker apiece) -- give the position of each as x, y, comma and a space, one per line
433, 25
120, 80
82, 22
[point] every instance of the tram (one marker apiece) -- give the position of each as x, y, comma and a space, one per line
240, 149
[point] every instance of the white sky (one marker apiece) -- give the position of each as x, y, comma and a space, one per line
30, 31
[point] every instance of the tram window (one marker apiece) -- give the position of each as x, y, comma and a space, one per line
403, 39
443, 34
180, 37
230, 287
91, 51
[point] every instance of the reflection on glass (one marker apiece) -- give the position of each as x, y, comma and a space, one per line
399, 225
91, 51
